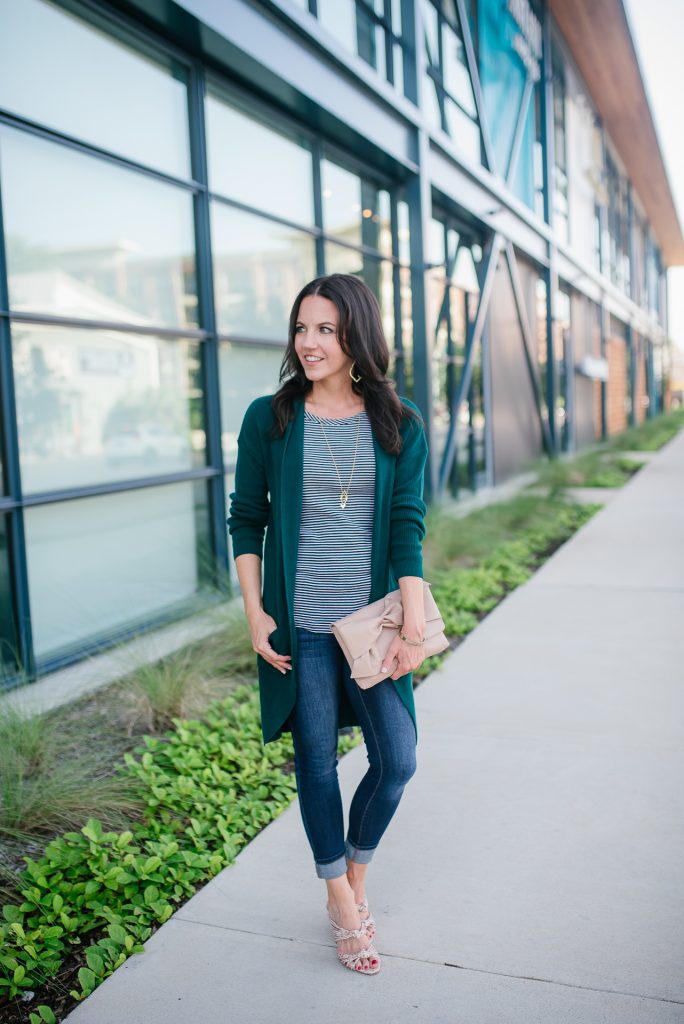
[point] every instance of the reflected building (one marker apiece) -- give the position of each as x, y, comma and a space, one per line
171, 175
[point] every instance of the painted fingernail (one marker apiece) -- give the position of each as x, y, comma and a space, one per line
384, 668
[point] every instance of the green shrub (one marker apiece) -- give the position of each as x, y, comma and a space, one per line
210, 787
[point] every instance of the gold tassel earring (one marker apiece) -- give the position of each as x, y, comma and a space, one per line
357, 379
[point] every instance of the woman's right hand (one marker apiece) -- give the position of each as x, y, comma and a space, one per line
261, 625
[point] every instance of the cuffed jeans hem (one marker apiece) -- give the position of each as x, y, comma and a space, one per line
334, 869
358, 856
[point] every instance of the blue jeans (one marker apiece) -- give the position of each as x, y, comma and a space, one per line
390, 737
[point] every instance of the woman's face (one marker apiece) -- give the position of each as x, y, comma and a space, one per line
316, 335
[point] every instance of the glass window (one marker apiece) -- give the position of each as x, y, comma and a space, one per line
9, 653
448, 93
245, 373
403, 369
560, 190
132, 103
403, 232
618, 225
562, 343
541, 310
98, 406
259, 268
86, 238
366, 29
510, 53
339, 18
452, 296
377, 274
256, 165
229, 487
354, 209
97, 565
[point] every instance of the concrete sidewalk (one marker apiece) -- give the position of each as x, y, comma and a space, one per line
534, 870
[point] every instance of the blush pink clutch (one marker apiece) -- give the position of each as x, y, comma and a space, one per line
366, 634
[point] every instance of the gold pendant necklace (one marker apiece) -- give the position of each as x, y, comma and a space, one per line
344, 491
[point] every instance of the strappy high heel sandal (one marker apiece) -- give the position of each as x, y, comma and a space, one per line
369, 921
351, 960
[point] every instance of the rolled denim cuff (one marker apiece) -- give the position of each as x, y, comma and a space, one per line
333, 869
358, 856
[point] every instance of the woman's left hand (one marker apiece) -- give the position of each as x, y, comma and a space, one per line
409, 657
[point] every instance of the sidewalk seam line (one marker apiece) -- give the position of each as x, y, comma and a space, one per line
435, 963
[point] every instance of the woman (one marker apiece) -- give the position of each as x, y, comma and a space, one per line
331, 468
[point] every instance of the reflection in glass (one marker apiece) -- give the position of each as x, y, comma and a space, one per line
339, 18
229, 487
377, 274
542, 343
257, 165
456, 74
357, 28
355, 210
98, 406
449, 98
98, 565
562, 341
452, 295
403, 231
133, 104
259, 268
88, 239
9, 654
245, 372
404, 371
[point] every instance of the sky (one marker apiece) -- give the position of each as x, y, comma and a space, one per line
658, 31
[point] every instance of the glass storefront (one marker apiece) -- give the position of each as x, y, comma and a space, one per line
159, 217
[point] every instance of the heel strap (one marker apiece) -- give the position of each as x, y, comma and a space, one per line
347, 933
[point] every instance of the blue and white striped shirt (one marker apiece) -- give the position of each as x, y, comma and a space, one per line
333, 575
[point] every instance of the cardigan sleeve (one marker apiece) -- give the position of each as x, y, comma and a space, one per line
250, 505
407, 525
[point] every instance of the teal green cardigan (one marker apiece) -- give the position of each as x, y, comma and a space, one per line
268, 500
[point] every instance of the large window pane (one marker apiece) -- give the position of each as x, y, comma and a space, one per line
259, 267
355, 210
97, 406
8, 639
88, 239
132, 103
377, 274
246, 371
96, 565
359, 29
339, 18
258, 166
452, 295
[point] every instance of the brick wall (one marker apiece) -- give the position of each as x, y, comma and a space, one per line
597, 386
617, 387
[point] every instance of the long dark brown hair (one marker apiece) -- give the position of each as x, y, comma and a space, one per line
361, 336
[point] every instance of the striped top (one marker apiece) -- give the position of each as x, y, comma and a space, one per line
333, 575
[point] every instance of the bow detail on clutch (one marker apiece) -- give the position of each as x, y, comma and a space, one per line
365, 636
